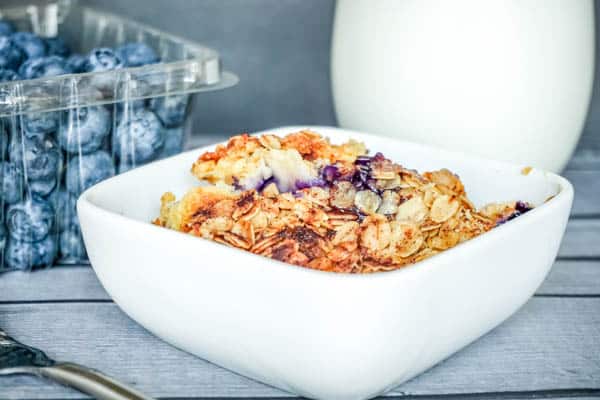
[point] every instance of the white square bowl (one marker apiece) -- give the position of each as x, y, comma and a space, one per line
317, 334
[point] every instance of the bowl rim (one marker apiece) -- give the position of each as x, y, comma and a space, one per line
564, 194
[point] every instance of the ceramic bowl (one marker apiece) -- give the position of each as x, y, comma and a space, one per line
317, 334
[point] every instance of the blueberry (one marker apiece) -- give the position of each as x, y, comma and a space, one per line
2, 243
42, 187
7, 75
71, 245
77, 63
330, 173
64, 204
103, 59
56, 46
173, 142
35, 124
139, 138
44, 67
30, 220
86, 170
40, 157
135, 88
10, 55
30, 44
12, 182
6, 28
363, 160
522, 207
300, 184
170, 109
3, 141
84, 129
26, 255
100, 60
129, 106
137, 54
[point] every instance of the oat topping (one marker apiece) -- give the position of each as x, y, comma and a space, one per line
302, 200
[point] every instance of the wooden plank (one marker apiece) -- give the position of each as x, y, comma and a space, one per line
80, 283
60, 283
550, 394
587, 192
590, 140
551, 344
554, 395
582, 239
579, 278
585, 159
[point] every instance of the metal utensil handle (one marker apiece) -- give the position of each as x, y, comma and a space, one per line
90, 382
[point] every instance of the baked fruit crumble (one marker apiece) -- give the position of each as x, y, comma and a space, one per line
302, 200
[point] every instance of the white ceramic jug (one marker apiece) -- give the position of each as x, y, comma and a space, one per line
504, 79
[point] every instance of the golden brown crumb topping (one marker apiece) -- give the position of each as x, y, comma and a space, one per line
356, 214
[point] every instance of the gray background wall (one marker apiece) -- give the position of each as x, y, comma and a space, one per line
279, 49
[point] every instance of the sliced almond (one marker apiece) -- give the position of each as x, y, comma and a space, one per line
342, 194
266, 243
317, 196
270, 190
445, 239
406, 239
413, 209
393, 183
270, 141
384, 233
369, 238
345, 232
445, 178
236, 241
389, 203
383, 170
443, 208
430, 194
367, 201
215, 225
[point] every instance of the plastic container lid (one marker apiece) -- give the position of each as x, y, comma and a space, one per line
188, 67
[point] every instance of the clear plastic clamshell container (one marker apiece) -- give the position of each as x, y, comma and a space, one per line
61, 134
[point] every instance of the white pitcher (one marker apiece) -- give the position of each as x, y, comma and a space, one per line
504, 79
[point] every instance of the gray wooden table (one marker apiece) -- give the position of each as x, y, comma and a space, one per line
549, 349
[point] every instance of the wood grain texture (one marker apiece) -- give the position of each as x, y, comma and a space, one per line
80, 283
587, 192
586, 159
582, 239
550, 344
572, 278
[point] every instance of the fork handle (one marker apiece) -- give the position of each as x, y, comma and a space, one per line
90, 382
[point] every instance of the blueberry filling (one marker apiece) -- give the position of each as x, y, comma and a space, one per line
361, 177
520, 208
266, 183
330, 173
362, 160
299, 184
